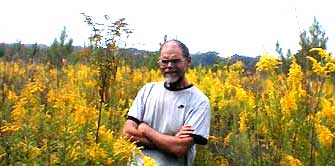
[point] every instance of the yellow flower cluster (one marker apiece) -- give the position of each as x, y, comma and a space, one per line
124, 150
325, 136
267, 63
243, 121
288, 103
290, 161
328, 109
9, 128
148, 161
317, 67
295, 74
227, 139
325, 66
51, 115
95, 152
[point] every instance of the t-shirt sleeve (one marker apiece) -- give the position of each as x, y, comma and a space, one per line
136, 111
199, 119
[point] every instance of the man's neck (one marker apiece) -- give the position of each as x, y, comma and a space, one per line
179, 84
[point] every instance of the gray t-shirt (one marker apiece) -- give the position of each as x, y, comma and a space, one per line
166, 110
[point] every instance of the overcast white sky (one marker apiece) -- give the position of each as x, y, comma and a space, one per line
245, 27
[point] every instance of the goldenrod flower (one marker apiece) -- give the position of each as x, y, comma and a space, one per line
290, 161
9, 128
35, 152
328, 109
110, 161
221, 161
95, 152
214, 139
288, 103
317, 67
148, 161
330, 66
325, 136
295, 74
267, 62
54, 159
74, 151
243, 121
124, 149
226, 140
238, 66
323, 53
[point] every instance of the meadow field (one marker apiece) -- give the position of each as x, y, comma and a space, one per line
62, 116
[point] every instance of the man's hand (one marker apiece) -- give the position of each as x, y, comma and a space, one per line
185, 131
142, 127
132, 132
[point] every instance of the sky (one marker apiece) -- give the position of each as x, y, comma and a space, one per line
244, 27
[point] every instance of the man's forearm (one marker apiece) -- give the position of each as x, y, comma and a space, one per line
131, 132
172, 144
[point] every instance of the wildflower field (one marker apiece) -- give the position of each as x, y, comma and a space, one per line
51, 116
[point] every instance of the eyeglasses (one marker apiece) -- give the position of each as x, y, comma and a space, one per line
165, 62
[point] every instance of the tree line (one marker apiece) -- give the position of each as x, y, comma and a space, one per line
63, 51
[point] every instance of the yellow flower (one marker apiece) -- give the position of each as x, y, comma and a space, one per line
295, 74
226, 140
291, 161
328, 110
267, 62
74, 151
323, 53
243, 121
330, 66
148, 161
124, 149
54, 159
238, 66
84, 115
288, 103
95, 152
19, 110
110, 161
317, 67
35, 152
221, 161
9, 128
325, 136
214, 139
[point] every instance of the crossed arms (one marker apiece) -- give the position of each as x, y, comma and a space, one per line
144, 135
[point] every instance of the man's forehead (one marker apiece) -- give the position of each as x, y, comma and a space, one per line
171, 47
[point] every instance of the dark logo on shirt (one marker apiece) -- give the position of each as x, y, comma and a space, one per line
181, 106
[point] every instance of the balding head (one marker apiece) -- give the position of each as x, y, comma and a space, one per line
181, 45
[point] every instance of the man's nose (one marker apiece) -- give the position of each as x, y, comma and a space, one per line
170, 64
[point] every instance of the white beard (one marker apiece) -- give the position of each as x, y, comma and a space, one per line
170, 79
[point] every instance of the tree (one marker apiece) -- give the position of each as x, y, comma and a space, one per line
60, 50
286, 60
105, 40
2, 50
315, 39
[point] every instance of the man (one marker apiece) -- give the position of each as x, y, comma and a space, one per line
168, 118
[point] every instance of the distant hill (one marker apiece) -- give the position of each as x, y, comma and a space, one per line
41, 46
249, 62
206, 59
209, 58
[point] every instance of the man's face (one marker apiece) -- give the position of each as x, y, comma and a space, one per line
172, 63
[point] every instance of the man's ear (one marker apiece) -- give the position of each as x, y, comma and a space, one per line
189, 59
